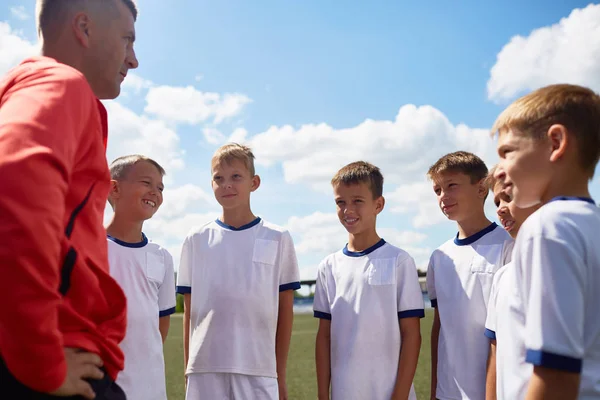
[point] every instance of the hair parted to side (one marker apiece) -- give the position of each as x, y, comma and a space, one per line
577, 108
121, 166
49, 12
360, 172
462, 162
234, 151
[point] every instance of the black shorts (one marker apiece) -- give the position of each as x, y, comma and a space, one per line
11, 388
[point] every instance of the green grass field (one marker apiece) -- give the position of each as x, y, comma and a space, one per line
302, 383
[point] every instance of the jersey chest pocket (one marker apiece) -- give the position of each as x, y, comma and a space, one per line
265, 251
381, 272
155, 268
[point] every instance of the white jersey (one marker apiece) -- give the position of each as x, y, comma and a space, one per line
364, 294
235, 276
145, 272
552, 311
459, 281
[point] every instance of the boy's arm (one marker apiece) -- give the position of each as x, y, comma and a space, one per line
490, 378
435, 334
553, 384
187, 297
323, 358
283, 337
410, 331
41, 120
163, 326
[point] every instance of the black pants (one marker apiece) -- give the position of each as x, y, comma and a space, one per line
12, 389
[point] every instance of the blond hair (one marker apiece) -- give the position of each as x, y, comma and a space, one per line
121, 166
461, 162
360, 172
577, 108
234, 151
490, 180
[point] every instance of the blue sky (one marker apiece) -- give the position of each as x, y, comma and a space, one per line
312, 85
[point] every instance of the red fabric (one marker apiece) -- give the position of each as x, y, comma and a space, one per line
53, 134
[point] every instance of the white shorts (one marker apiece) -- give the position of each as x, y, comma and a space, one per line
221, 386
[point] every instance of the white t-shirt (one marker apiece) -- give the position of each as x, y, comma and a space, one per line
235, 276
459, 281
553, 311
145, 272
364, 294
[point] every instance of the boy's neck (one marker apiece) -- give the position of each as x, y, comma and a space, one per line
125, 230
237, 217
362, 241
472, 225
569, 184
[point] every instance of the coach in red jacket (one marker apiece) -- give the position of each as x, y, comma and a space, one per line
61, 316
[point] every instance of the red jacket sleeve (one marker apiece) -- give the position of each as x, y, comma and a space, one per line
43, 114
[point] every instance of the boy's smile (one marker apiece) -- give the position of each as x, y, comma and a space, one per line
140, 194
356, 208
232, 184
456, 195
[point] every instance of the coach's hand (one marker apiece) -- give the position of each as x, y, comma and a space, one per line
80, 366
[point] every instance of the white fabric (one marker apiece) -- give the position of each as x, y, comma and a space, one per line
364, 294
552, 311
222, 386
235, 277
459, 280
148, 280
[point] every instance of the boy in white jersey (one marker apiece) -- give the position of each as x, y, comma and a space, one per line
549, 145
238, 275
368, 301
511, 218
145, 272
459, 278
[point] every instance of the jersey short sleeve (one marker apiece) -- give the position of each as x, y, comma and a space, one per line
321, 303
553, 288
289, 277
166, 292
410, 298
490, 321
184, 275
430, 280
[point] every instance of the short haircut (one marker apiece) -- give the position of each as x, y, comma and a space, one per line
461, 162
575, 107
234, 151
120, 167
52, 11
490, 180
360, 172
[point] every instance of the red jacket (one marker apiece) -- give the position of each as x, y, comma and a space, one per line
55, 288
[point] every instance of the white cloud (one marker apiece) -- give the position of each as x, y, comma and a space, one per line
19, 12
566, 52
403, 148
188, 105
239, 135
180, 200
136, 83
131, 133
198, 77
213, 135
14, 48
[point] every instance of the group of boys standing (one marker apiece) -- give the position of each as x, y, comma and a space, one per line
90, 307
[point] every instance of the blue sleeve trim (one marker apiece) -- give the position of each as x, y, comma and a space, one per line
490, 334
184, 289
322, 315
289, 286
434, 303
167, 312
554, 361
419, 313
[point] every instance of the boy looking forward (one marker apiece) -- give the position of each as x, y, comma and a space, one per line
459, 278
368, 301
145, 272
549, 146
238, 275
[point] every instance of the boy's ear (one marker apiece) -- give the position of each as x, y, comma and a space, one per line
255, 182
379, 204
482, 189
559, 140
115, 190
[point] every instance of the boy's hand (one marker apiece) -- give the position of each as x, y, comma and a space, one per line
80, 366
283, 393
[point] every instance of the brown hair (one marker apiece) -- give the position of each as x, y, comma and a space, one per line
121, 166
234, 151
490, 180
575, 107
360, 172
52, 11
462, 162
